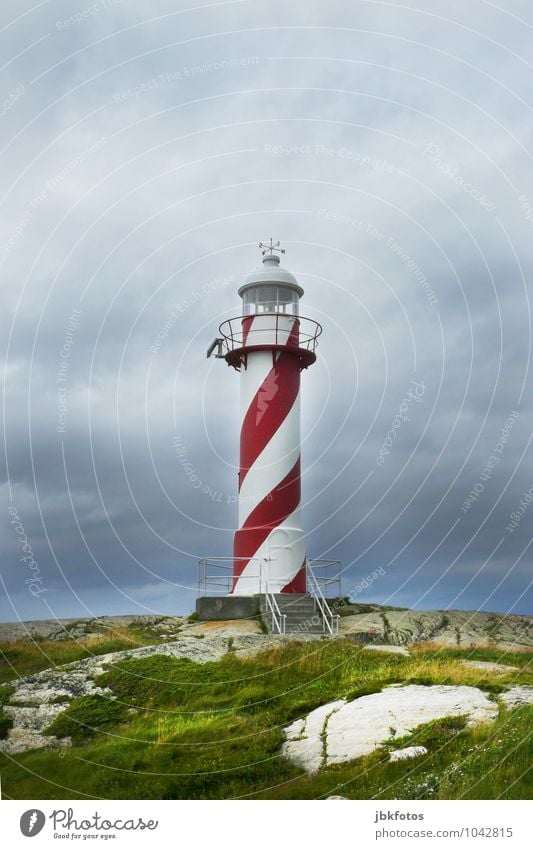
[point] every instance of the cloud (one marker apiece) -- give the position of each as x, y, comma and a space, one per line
144, 156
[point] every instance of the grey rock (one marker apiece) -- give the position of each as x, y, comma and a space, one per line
517, 697
28, 725
23, 739
444, 627
33, 718
487, 666
387, 648
407, 753
64, 629
342, 731
33, 705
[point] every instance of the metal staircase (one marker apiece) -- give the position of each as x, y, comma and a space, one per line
283, 613
299, 613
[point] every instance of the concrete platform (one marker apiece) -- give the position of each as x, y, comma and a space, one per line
227, 628
221, 608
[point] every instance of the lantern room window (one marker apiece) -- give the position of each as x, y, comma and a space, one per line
270, 298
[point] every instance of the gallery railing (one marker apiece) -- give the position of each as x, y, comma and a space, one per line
215, 576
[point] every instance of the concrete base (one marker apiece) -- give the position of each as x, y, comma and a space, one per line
220, 608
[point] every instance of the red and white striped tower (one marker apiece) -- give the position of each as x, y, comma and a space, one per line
270, 344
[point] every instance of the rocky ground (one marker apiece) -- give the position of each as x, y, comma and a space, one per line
37, 699
369, 622
69, 629
453, 628
341, 731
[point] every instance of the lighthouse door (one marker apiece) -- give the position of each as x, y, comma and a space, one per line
279, 556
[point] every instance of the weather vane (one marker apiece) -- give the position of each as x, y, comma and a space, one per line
271, 248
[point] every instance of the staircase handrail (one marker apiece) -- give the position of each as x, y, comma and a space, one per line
278, 618
329, 621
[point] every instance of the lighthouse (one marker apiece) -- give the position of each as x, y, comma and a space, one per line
269, 344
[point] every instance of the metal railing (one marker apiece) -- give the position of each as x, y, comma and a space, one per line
220, 582
279, 619
234, 334
215, 576
217, 583
328, 575
330, 621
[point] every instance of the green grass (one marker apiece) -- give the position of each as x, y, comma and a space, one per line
5, 721
27, 656
490, 762
86, 717
523, 659
174, 729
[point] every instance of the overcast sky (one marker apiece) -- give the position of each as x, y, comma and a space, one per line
145, 150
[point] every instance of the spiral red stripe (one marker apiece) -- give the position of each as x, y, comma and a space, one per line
269, 546
246, 326
274, 509
269, 407
299, 582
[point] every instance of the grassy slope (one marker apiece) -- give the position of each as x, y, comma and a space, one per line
181, 730
24, 657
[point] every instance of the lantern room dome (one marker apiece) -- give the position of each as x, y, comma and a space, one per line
271, 273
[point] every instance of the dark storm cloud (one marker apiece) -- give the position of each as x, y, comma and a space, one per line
144, 155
